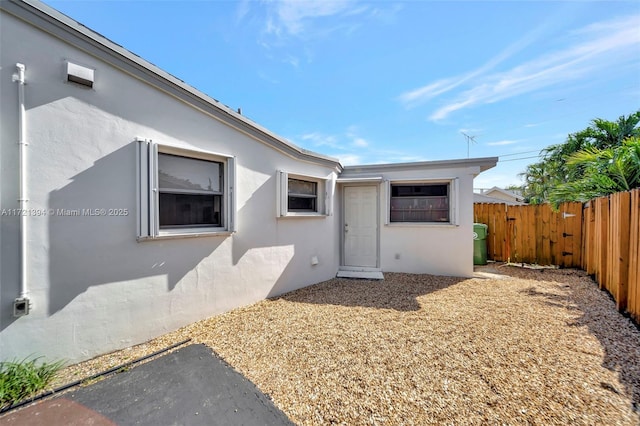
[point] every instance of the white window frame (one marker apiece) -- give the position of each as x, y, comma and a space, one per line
323, 200
454, 201
148, 195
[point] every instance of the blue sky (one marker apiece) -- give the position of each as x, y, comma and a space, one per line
384, 81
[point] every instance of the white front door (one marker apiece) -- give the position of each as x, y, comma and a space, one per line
361, 226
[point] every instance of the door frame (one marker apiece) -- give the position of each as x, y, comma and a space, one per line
343, 197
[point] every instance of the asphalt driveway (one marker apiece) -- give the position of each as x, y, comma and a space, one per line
191, 386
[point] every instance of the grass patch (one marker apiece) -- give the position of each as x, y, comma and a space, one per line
23, 379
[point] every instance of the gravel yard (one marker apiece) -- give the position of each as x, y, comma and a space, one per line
531, 347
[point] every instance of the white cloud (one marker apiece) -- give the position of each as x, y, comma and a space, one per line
344, 142
385, 13
417, 96
319, 139
348, 159
292, 60
242, 10
469, 131
394, 156
593, 48
287, 22
293, 16
351, 148
360, 142
356, 140
443, 112
407, 159
498, 178
586, 56
481, 182
423, 94
502, 143
266, 77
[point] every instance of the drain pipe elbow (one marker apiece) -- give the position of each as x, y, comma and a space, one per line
20, 76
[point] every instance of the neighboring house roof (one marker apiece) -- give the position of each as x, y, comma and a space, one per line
502, 194
482, 198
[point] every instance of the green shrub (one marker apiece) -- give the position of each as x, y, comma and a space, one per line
23, 379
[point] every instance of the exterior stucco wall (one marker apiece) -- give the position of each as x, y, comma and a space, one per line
436, 249
93, 287
439, 249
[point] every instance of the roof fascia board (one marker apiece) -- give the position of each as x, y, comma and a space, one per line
374, 179
483, 164
66, 29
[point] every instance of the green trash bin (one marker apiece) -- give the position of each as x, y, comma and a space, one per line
480, 243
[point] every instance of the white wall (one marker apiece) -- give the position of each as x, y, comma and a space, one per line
93, 287
438, 249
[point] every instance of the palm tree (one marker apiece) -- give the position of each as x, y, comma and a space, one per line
555, 173
603, 171
537, 183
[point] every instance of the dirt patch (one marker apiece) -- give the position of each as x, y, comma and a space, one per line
536, 346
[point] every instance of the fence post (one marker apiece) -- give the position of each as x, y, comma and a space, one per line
633, 304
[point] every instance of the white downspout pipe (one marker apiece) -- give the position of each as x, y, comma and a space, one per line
23, 195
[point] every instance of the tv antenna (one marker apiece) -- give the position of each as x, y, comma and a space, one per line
470, 140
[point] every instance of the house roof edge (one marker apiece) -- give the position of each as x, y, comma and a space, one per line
484, 163
73, 32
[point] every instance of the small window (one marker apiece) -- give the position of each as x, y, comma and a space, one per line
420, 202
302, 196
184, 192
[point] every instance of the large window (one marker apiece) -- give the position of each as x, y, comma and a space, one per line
190, 192
420, 202
184, 192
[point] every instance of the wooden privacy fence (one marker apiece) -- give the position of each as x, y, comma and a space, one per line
601, 236
533, 234
611, 247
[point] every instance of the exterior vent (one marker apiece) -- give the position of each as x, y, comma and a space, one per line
80, 75
21, 307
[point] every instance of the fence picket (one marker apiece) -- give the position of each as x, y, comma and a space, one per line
577, 230
633, 302
544, 256
554, 243
602, 226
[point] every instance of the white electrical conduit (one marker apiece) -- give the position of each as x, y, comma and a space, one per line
22, 198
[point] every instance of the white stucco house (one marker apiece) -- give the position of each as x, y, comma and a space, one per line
133, 204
